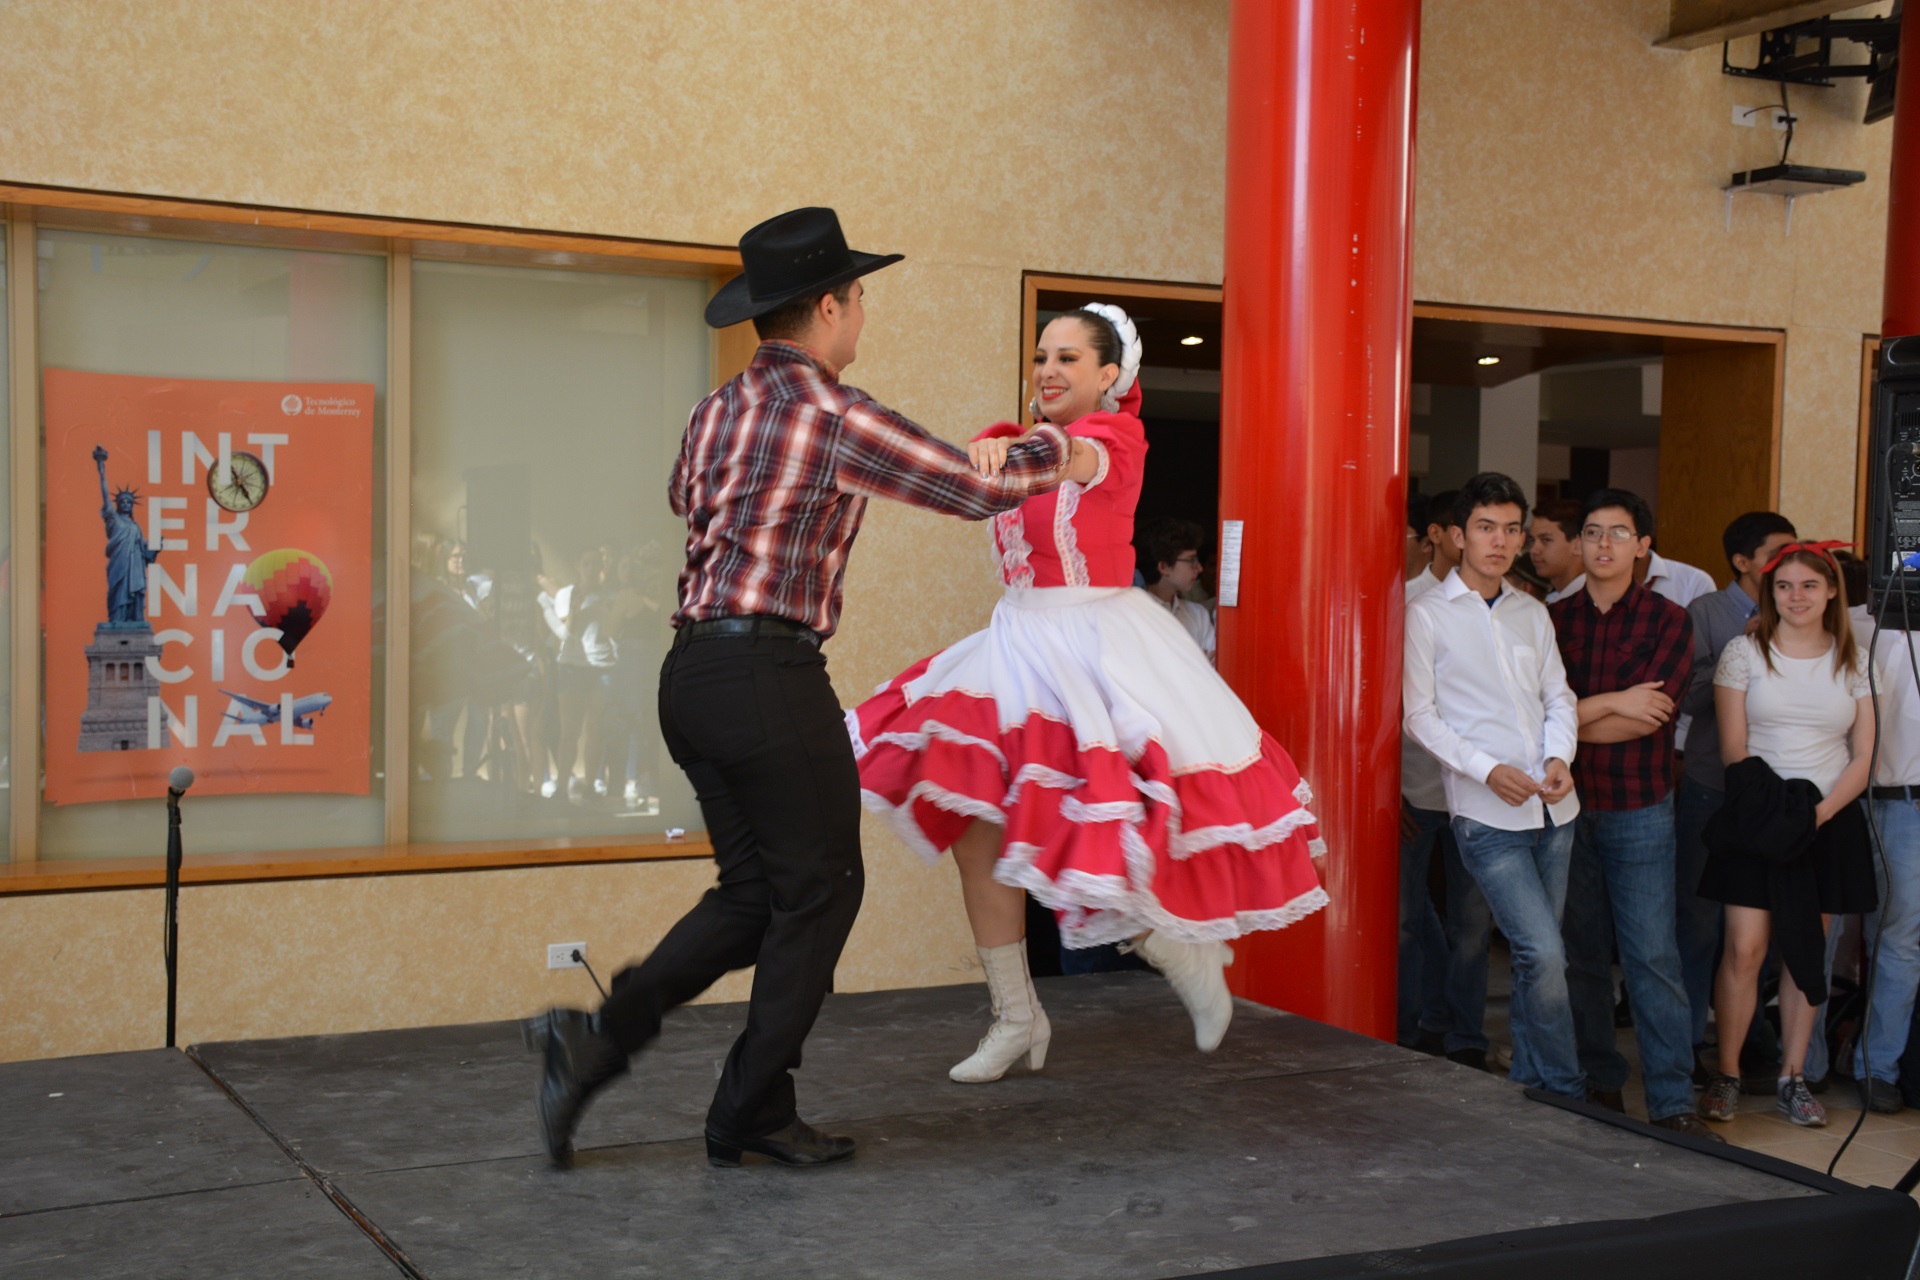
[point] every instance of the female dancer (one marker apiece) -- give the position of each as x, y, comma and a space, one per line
1795, 694
1081, 748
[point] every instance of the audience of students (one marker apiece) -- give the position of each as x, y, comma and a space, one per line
1575, 762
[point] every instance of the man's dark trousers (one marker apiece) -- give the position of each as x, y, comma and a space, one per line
754, 722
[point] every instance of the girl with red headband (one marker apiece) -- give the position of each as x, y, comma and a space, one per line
1794, 693
1082, 748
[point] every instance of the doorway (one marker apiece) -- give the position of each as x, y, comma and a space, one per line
1179, 328
1686, 416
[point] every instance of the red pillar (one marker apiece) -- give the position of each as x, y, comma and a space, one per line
1314, 391
1900, 302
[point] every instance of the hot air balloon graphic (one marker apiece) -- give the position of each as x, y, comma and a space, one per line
295, 588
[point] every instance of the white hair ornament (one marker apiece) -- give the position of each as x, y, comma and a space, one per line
1130, 350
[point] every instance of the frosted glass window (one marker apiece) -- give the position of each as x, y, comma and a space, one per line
182, 309
548, 407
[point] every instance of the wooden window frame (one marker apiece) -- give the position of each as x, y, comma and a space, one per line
26, 209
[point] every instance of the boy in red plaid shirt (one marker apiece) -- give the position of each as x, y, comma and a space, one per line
1628, 655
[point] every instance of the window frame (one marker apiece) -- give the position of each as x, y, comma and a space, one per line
26, 209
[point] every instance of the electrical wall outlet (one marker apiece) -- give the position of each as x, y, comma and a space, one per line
1750, 117
560, 954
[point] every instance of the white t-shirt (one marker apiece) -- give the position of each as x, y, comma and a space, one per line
1895, 656
1800, 714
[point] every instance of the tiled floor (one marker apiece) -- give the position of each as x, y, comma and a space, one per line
1884, 1149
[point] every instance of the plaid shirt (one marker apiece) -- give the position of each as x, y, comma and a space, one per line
774, 474
1644, 637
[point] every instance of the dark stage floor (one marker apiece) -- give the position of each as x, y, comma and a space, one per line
1131, 1156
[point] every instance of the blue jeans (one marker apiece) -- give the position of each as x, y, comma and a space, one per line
1469, 930
1524, 877
1895, 927
1620, 888
1423, 946
1697, 921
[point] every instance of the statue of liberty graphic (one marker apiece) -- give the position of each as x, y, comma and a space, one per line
127, 553
121, 688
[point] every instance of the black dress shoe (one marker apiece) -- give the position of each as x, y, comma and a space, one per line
580, 1060
1688, 1123
1608, 1098
799, 1144
1882, 1096
1475, 1058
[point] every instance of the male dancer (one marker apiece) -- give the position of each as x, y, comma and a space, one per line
773, 477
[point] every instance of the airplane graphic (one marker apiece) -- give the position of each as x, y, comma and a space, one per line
257, 712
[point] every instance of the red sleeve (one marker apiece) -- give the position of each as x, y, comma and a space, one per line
1124, 439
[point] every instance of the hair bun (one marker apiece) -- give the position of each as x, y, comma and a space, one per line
1130, 346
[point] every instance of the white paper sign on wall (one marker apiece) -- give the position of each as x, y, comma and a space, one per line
1230, 535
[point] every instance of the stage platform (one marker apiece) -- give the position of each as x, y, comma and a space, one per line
415, 1153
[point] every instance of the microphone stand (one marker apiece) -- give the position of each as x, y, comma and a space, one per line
170, 925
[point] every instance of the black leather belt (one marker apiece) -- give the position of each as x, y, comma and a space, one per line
750, 626
1894, 793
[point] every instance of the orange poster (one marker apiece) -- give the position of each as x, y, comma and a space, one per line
208, 600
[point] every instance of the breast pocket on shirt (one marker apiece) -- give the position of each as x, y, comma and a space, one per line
1526, 666
1630, 660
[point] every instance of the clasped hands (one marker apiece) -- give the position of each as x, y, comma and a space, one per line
1516, 788
989, 456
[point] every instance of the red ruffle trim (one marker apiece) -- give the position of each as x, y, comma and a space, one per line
1114, 845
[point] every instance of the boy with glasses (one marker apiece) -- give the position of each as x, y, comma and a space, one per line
1485, 693
1628, 655
1168, 558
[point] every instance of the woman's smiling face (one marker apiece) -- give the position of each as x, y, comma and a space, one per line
1067, 374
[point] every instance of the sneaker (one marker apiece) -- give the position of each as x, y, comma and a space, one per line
1882, 1096
1799, 1105
1721, 1098
1608, 1098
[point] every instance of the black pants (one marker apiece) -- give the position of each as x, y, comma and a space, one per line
754, 722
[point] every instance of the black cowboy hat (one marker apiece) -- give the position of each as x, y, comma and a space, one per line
786, 257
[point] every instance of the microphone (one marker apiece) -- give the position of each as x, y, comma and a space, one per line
179, 780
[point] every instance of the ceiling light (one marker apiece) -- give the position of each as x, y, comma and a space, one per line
1489, 360
1191, 341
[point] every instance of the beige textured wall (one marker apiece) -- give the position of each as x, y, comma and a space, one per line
1564, 165
1567, 165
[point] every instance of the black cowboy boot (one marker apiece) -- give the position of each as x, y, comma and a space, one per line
580, 1060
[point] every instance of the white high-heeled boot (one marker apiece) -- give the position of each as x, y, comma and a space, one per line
1197, 971
1020, 1025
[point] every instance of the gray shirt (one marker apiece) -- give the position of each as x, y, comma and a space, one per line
1718, 618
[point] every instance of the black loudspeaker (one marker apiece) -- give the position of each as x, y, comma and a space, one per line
499, 519
1893, 475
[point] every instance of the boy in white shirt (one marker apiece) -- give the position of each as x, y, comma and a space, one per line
1486, 694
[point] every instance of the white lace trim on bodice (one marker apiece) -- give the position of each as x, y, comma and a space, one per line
1072, 563
1010, 535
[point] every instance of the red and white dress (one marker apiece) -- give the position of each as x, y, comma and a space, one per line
1133, 788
